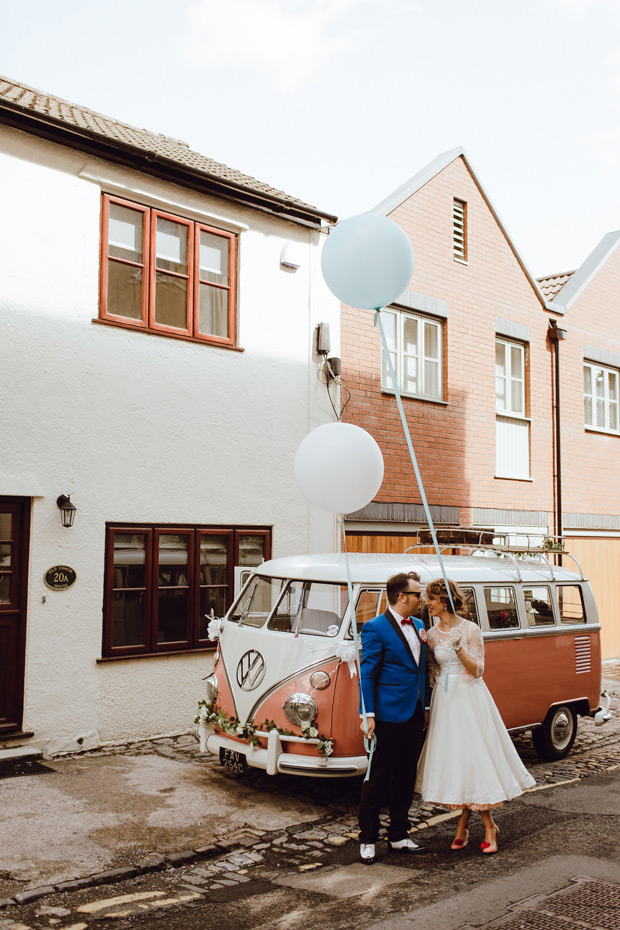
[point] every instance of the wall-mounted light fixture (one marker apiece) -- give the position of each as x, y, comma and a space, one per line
67, 509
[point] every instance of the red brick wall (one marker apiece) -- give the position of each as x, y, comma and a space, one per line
455, 443
590, 460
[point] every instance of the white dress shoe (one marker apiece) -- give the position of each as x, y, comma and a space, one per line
367, 853
406, 846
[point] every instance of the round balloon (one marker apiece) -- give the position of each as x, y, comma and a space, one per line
367, 261
339, 467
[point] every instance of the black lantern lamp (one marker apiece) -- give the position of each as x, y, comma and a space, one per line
67, 509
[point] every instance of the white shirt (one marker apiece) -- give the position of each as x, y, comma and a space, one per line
410, 635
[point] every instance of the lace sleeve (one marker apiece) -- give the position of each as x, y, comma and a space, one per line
475, 647
433, 666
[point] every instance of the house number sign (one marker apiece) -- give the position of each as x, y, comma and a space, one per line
59, 577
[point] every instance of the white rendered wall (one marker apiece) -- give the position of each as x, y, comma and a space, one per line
139, 428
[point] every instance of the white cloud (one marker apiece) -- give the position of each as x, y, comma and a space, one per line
286, 41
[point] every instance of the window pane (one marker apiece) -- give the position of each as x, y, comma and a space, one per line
5, 555
213, 258
257, 602
500, 376
128, 618
570, 602
213, 559
512, 448
125, 233
124, 290
612, 386
470, 605
5, 585
251, 549
538, 606
501, 608
212, 604
171, 301
410, 336
386, 378
587, 380
410, 379
366, 608
172, 615
173, 560
171, 246
587, 410
431, 379
311, 607
516, 362
389, 328
5, 526
129, 561
516, 398
213, 311
431, 340
613, 416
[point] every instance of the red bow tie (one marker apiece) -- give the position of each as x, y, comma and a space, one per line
406, 621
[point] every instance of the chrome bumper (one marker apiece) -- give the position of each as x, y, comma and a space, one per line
274, 760
602, 715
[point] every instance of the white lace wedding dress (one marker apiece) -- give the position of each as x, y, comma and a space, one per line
468, 757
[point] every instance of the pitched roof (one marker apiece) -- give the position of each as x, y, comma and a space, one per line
430, 171
552, 284
74, 125
579, 280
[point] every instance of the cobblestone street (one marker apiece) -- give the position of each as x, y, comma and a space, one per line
248, 858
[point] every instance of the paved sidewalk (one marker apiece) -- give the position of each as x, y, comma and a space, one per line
101, 816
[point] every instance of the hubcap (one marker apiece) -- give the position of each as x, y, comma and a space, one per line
561, 730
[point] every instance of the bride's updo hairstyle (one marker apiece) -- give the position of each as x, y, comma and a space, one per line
438, 589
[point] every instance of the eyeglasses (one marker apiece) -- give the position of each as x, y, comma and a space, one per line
409, 593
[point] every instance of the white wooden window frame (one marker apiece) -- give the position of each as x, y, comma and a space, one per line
512, 427
422, 358
605, 402
459, 230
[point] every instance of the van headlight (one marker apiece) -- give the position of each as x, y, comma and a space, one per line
300, 709
211, 688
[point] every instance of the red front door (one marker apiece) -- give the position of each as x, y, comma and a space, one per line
14, 536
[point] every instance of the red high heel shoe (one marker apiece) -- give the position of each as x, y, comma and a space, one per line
489, 848
459, 843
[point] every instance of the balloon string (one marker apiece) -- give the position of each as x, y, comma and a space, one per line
414, 461
369, 745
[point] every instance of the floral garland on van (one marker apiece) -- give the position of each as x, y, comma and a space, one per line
209, 713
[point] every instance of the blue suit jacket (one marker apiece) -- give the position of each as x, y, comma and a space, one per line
391, 680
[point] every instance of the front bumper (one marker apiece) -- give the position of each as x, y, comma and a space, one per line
275, 760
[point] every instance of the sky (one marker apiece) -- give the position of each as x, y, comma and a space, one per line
339, 102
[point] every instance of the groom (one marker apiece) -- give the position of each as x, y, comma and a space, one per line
395, 700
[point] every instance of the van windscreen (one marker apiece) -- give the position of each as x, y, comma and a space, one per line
310, 607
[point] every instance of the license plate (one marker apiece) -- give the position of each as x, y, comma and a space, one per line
233, 760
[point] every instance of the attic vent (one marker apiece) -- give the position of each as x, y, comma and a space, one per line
459, 232
583, 654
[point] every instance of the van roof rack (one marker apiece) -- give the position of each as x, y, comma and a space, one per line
523, 546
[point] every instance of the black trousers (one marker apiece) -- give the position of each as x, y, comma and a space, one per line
392, 777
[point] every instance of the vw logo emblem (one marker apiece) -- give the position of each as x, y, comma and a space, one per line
251, 670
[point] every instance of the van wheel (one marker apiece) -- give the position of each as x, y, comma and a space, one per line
555, 737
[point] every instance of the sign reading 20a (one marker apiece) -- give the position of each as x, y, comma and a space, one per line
59, 577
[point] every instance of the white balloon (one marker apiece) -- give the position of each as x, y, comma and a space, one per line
339, 467
367, 261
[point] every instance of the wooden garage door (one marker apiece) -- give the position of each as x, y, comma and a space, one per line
600, 561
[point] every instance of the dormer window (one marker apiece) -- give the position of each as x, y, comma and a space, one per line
459, 230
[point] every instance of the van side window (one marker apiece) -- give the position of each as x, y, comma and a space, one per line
366, 607
570, 602
501, 608
470, 604
538, 606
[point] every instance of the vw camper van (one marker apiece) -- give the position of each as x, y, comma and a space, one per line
284, 697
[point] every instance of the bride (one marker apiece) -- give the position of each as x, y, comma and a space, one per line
468, 760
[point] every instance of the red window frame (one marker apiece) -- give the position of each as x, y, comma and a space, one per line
148, 321
152, 587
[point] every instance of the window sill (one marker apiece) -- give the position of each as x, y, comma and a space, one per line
151, 332
601, 432
426, 400
156, 655
511, 478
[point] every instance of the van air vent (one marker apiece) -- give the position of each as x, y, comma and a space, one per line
583, 654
